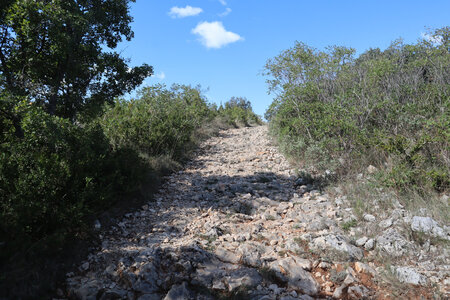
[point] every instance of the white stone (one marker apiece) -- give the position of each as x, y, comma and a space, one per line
339, 243
363, 268
393, 243
371, 169
360, 242
369, 245
369, 218
357, 292
410, 275
324, 265
385, 223
337, 294
427, 225
297, 276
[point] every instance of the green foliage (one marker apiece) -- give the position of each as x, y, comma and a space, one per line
238, 111
56, 66
54, 52
160, 122
349, 224
57, 174
386, 108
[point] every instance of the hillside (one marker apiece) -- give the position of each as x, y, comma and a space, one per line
238, 223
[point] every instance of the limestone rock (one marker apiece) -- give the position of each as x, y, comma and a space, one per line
338, 242
251, 254
244, 277
371, 169
227, 256
385, 223
360, 242
179, 292
364, 268
297, 277
369, 218
393, 243
369, 245
357, 292
409, 275
429, 226
338, 292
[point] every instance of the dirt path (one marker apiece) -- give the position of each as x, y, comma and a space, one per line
235, 222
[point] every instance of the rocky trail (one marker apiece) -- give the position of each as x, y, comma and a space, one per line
237, 223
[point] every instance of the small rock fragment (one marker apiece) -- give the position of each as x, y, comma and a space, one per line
360, 242
369, 245
369, 218
364, 268
337, 294
385, 223
178, 292
371, 169
357, 292
84, 266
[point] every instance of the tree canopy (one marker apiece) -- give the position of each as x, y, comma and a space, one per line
59, 53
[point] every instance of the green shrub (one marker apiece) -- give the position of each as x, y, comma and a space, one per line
238, 112
386, 108
57, 174
160, 122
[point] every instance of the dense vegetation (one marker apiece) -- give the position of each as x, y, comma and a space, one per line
56, 165
238, 112
390, 109
70, 146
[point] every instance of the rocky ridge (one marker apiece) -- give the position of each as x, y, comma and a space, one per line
238, 223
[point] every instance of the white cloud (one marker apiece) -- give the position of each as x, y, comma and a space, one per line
226, 12
223, 2
182, 12
214, 35
160, 75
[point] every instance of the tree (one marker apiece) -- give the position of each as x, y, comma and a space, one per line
241, 102
59, 53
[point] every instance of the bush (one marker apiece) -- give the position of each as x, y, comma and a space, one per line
160, 122
57, 174
238, 112
386, 108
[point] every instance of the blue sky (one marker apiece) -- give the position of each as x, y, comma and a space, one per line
223, 44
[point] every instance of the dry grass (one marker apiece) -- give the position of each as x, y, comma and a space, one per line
367, 196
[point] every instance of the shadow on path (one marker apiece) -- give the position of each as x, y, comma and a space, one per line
169, 246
